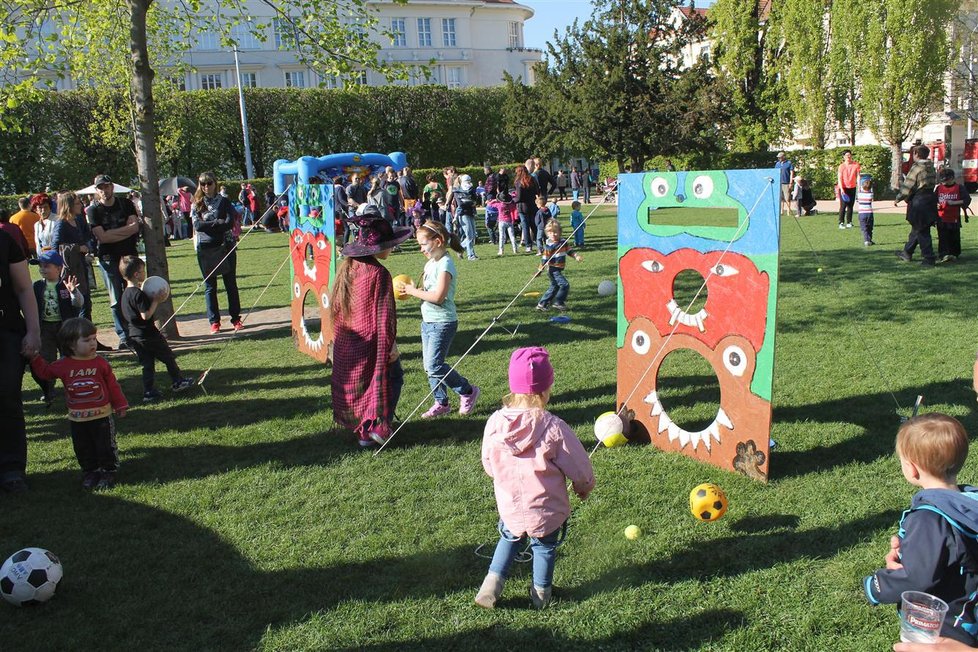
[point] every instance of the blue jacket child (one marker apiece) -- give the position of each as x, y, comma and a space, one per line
939, 555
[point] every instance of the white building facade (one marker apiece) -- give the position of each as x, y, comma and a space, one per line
472, 43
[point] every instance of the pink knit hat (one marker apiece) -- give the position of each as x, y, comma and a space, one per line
530, 371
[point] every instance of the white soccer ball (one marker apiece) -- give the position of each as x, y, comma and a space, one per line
30, 576
156, 287
609, 430
607, 288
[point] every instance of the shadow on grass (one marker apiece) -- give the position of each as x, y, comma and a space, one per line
158, 581
687, 633
875, 413
742, 552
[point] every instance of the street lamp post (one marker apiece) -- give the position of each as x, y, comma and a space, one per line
249, 167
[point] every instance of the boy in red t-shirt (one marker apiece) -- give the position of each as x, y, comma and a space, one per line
92, 394
847, 182
951, 196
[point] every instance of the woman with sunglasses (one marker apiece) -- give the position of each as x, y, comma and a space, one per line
70, 239
213, 219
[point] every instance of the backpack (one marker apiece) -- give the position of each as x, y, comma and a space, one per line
466, 201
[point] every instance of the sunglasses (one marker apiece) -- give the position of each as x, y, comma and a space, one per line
206, 183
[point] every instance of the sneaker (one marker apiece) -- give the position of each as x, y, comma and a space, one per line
123, 346
436, 410
903, 255
467, 401
947, 259
500, 253
559, 307
473, 258
526, 249
867, 243
377, 438
849, 225
152, 396
841, 225
215, 329
106, 481
237, 325
90, 480
542, 307
182, 384
366, 443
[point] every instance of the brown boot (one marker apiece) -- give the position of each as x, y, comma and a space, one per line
540, 597
489, 592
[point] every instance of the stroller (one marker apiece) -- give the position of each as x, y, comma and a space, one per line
610, 190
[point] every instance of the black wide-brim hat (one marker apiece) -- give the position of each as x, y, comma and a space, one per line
375, 235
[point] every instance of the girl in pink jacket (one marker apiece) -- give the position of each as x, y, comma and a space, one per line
530, 454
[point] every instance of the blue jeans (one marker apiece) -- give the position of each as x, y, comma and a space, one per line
115, 286
578, 235
559, 287
469, 233
526, 237
544, 551
230, 286
436, 338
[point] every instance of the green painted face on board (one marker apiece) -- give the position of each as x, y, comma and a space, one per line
693, 203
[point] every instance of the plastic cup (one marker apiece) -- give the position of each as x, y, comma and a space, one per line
921, 617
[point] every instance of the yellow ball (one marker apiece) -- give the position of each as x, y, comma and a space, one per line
633, 532
609, 430
399, 282
707, 502
819, 269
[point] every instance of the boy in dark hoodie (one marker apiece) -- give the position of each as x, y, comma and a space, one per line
935, 550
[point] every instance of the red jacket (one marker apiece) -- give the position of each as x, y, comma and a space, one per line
91, 390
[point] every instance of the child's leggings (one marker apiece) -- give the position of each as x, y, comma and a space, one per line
504, 228
544, 551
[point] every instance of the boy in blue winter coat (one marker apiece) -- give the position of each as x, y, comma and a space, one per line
58, 300
935, 550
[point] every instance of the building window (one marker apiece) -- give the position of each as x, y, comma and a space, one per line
178, 82
448, 32
453, 77
705, 54
424, 32
244, 36
208, 41
210, 81
358, 78
331, 81
398, 32
249, 80
295, 78
515, 35
285, 38
434, 75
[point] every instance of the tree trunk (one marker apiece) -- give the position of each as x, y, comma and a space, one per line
144, 134
896, 155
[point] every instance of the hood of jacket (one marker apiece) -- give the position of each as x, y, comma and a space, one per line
962, 506
524, 429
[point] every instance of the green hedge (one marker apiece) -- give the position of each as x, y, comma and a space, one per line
820, 166
66, 138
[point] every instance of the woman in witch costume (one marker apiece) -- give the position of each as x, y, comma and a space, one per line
367, 375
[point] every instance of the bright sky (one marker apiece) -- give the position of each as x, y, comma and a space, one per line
558, 14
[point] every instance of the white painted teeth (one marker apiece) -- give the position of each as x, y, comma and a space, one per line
678, 314
310, 270
311, 344
685, 437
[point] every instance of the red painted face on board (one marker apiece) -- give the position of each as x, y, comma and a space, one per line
310, 292
736, 294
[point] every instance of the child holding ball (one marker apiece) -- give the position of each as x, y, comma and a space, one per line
145, 339
530, 454
92, 394
439, 319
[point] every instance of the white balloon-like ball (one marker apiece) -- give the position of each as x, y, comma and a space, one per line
606, 288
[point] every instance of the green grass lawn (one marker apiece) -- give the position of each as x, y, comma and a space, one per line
244, 521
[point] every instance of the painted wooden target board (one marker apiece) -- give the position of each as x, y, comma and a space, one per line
724, 225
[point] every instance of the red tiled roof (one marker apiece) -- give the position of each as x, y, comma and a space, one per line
700, 11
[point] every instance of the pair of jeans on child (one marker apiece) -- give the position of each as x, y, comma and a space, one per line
544, 551
436, 338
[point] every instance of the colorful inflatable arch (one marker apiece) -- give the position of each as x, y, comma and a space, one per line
313, 237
